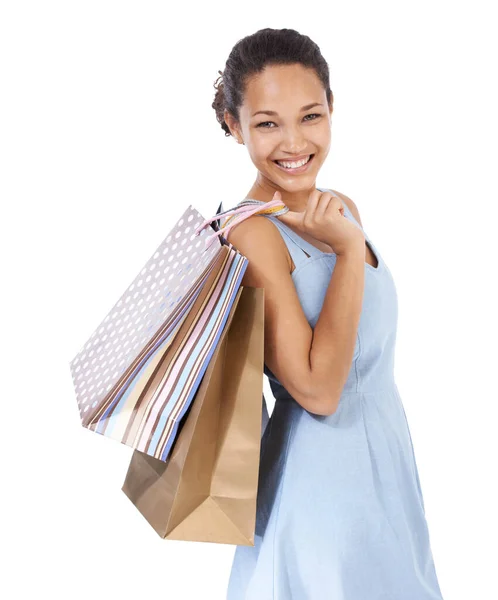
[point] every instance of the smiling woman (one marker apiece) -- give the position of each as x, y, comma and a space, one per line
288, 150
340, 510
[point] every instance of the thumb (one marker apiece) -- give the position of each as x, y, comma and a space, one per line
295, 219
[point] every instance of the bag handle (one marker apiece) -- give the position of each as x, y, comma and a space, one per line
245, 209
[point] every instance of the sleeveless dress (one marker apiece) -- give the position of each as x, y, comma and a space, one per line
340, 512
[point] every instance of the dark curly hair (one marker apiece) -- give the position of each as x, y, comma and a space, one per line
252, 54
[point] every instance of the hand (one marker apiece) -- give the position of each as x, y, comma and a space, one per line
324, 220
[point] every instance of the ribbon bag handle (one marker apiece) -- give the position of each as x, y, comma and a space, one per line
245, 209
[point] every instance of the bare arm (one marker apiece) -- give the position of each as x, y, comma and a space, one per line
337, 326
335, 332
311, 365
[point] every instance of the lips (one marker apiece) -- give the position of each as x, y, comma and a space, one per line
293, 159
296, 170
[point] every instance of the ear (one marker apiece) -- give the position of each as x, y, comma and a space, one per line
232, 124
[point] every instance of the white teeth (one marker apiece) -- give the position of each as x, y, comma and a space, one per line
293, 165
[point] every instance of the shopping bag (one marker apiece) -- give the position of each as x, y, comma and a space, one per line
207, 488
136, 376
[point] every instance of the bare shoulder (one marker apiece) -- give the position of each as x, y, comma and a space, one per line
288, 334
351, 205
260, 238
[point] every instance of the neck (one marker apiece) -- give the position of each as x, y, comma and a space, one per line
264, 191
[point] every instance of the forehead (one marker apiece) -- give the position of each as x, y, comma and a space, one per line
282, 88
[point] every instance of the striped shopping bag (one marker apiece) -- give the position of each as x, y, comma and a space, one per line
137, 375
206, 491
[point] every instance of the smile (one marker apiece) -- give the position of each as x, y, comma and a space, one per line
295, 167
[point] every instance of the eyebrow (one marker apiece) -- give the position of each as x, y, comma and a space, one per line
273, 113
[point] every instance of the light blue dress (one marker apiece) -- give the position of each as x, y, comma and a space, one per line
340, 511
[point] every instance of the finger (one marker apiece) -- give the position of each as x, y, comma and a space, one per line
323, 204
313, 200
295, 219
290, 217
335, 205
311, 206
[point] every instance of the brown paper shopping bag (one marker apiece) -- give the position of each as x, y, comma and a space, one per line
206, 490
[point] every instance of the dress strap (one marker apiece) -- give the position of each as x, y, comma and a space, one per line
298, 241
299, 249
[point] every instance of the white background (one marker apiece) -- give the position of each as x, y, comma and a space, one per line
107, 134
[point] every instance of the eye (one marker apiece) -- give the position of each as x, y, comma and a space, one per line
316, 115
313, 115
264, 123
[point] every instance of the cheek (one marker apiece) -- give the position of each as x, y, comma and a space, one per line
326, 137
262, 153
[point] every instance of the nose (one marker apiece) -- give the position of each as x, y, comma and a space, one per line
293, 141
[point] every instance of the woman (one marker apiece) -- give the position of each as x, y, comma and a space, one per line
340, 511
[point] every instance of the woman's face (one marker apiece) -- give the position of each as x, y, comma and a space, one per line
296, 122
